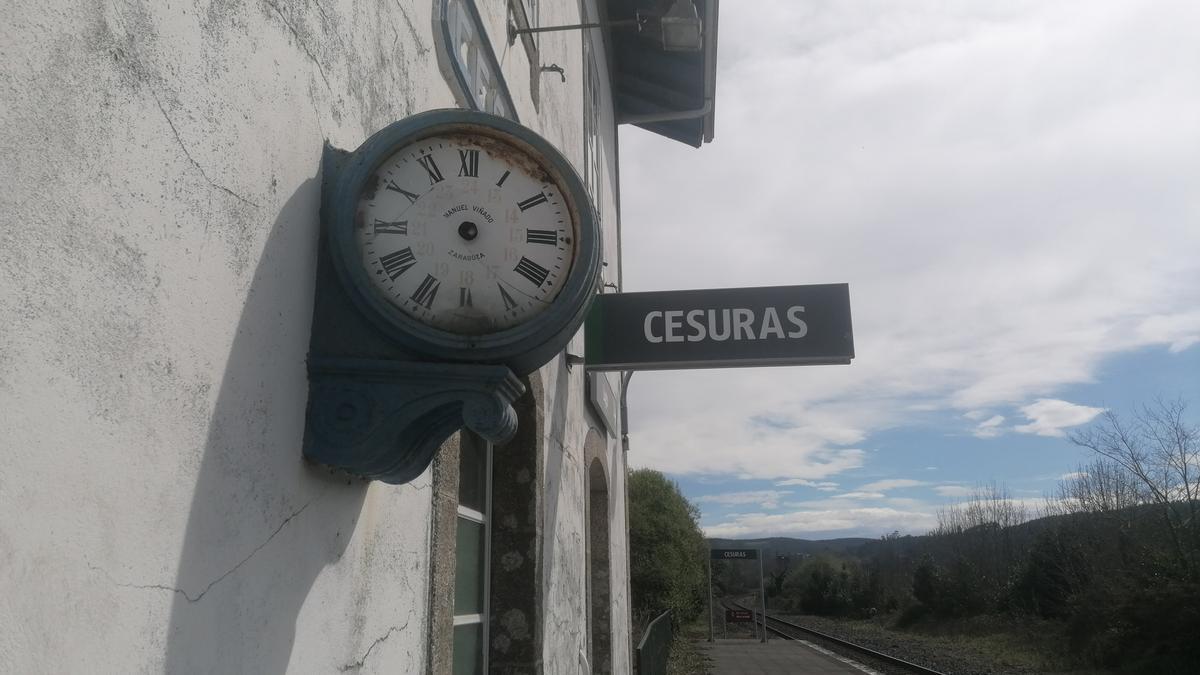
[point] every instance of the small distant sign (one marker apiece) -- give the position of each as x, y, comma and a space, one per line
739, 616
734, 554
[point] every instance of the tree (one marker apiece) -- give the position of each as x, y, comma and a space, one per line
1160, 450
1102, 487
667, 550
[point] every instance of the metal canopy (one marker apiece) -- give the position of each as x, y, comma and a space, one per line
670, 93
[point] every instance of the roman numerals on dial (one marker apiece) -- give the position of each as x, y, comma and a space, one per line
533, 201
398, 262
384, 227
431, 168
477, 219
535, 273
412, 197
426, 292
541, 237
468, 163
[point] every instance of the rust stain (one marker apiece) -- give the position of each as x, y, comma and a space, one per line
508, 154
371, 187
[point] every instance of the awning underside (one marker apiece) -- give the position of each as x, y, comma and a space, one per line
651, 85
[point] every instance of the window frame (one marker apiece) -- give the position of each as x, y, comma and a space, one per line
464, 83
593, 140
483, 518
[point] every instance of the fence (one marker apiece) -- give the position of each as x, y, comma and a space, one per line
656, 642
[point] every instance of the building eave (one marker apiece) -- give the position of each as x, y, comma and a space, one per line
670, 93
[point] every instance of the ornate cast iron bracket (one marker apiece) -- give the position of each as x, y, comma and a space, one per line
386, 419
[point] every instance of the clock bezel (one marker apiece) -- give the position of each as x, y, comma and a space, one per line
523, 347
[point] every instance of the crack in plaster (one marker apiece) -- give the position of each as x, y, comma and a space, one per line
359, 663
300, 41
201, 594
421, 48
321, 10
182, 146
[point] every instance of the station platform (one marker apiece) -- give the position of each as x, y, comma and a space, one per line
776, 657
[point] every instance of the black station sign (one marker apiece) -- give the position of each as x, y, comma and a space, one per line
721, 328
733, 553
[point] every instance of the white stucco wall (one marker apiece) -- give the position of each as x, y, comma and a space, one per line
158, 228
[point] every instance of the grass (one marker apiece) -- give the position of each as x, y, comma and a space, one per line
686, 656
1024, 646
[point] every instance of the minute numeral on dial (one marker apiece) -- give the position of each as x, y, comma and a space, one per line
426, 292
468, 163
398, 262
533, 201
509, 303
431, 168
384, 227
535, 273
541, 237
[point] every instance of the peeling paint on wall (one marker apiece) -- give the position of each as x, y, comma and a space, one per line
157, 246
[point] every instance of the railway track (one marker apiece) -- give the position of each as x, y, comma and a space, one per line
790, 631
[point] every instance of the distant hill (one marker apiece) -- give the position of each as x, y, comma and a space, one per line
773, 546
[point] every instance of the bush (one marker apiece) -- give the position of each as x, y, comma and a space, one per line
667, 550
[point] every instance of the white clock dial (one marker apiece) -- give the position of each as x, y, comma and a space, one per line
465, 233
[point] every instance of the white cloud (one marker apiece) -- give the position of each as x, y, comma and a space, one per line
1006, 220
1048, 417
855, 521
733, 442
989, 428
1073, 475
954, 490
860, 495
820, 485
892, 484
767, 499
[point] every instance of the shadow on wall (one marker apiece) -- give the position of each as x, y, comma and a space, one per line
263, 524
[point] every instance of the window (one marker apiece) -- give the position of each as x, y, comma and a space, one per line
524, 14
467, 60
472, 554
593, 141
493, 493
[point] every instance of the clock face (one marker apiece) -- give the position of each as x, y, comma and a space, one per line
465, 232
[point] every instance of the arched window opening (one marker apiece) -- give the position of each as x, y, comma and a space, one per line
599, 572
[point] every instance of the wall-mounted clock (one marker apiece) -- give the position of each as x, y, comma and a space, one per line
460, 250
466, 238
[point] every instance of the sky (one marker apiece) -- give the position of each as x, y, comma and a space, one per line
1012, 192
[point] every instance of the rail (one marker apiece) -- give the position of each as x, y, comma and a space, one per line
773, 624
655, 645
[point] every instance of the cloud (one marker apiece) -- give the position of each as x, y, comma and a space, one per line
989, 428
860, 495
1073, 475
892, 484
728, 442
1006, 222
1048, 417
954, 490
767, 499
825, 486
854, 521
